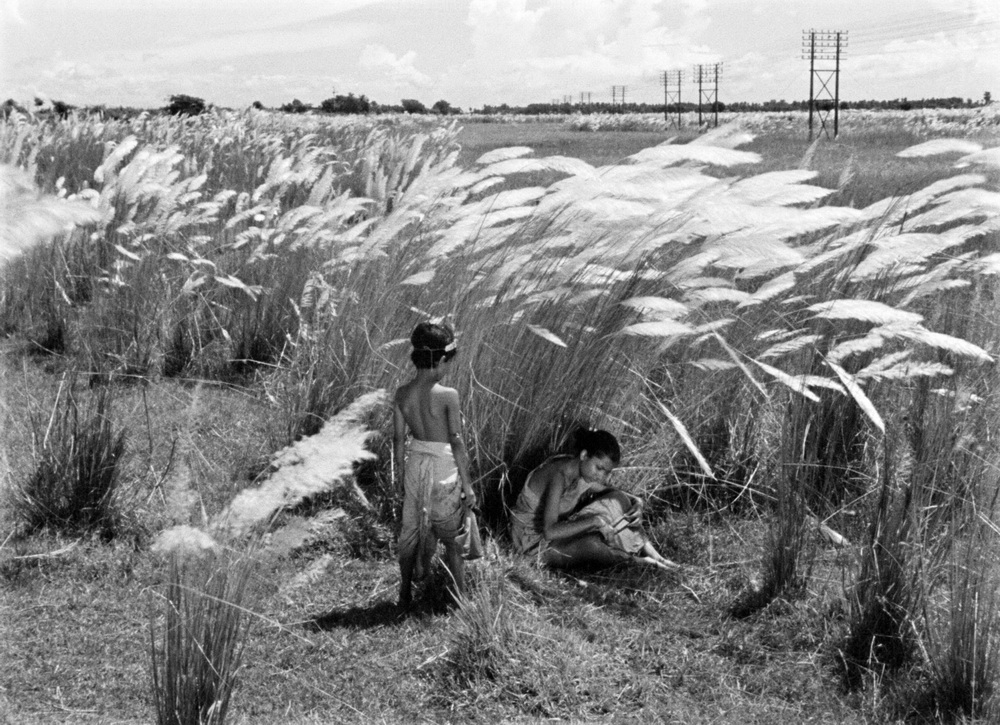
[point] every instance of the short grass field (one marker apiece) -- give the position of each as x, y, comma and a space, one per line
630, 645
78, 613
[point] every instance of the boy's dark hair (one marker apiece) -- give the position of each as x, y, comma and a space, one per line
432, 343
597, 443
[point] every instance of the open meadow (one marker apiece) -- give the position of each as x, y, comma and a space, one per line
795, 342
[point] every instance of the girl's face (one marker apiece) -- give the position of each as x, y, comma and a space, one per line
595, 469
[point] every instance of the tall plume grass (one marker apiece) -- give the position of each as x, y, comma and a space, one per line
676, 306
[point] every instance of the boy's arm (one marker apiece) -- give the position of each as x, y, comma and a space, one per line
398, 446
454, 420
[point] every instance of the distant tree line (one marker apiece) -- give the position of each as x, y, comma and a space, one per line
363, 105
186, 105
904, 104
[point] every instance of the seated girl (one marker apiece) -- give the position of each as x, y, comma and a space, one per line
568, 516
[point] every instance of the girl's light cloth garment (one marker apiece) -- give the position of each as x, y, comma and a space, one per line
432, 503
527, 517
616, 531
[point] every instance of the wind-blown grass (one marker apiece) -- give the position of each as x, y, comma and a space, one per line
675, 297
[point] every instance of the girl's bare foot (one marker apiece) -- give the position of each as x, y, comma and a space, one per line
661, 563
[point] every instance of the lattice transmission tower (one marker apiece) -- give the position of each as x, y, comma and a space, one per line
706, 75
823, 46
672, 94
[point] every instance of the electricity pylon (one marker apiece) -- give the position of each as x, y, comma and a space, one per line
672, 92
706, 75
824, 46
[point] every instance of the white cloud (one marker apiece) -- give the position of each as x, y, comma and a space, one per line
399, 70
564, 47
12, 12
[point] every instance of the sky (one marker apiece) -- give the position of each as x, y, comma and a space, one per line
475, 52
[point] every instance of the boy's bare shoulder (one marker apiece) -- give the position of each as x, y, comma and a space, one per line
400, 392
446, 392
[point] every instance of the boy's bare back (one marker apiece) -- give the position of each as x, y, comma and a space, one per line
429, 410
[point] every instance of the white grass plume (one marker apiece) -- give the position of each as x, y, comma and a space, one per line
503, 154
670, 155
986, 157
865, 310
312, 465
28, 217
938, 146
728, 136
184, 541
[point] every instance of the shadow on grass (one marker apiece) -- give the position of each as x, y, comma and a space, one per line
623, 588
379, 614
430, 600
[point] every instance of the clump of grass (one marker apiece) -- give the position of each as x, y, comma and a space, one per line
785, 543
886, 595
76, 481
197, 656
966, 662
504, 649
486, 639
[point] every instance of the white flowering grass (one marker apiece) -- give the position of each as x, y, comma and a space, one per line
28, 216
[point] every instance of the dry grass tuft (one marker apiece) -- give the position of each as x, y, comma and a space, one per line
76, 481
197, 656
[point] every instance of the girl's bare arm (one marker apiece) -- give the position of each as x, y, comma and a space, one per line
555, 529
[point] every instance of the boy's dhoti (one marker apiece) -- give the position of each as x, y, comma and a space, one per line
432, 502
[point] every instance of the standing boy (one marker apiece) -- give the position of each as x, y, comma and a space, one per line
435, 482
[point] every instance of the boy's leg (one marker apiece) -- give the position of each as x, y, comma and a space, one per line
406, 562
456, 567
587, 550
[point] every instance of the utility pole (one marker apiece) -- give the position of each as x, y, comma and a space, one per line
705, 74
824, 45
615, 91
672, 79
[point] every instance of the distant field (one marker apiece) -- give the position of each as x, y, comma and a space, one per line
595, 147
863, 155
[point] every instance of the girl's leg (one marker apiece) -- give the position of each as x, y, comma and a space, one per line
587, 550
652, 556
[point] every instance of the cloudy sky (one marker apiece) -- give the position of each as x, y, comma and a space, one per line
475, 52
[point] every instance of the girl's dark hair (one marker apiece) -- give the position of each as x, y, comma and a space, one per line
597, 443
432, 343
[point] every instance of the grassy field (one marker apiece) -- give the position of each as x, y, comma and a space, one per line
211, 371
